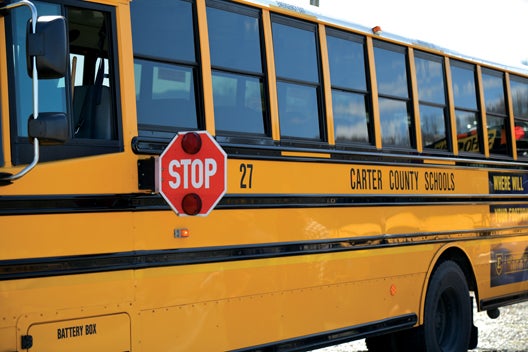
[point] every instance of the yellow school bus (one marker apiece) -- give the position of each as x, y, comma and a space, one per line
212, 175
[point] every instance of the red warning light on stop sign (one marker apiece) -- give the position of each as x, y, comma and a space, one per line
191, 173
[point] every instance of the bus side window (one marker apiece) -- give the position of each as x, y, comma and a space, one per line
394, 99
430, 77
165, 66
496, 115
236, 60
93, 105
298, 80
350, 95
519, 93
87, 93
467, 113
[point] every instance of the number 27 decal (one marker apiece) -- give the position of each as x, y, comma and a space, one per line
246, 177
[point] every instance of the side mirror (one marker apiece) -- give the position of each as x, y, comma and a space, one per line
49, 45
50, 128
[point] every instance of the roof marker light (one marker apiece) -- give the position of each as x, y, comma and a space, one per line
377, 30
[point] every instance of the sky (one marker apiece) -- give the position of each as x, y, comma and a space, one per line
490, 30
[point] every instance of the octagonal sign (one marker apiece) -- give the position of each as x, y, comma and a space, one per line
192, 173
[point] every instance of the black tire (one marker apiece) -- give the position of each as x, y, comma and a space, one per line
448, 312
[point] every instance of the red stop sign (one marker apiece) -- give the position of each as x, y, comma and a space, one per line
191, 173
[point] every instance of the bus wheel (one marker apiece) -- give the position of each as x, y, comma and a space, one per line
447, 313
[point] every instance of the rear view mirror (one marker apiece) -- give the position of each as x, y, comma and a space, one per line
49, 46
50, 127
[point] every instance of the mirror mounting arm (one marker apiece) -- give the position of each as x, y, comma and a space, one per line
36, 149
47, 55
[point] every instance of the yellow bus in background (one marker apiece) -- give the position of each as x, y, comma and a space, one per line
374, 187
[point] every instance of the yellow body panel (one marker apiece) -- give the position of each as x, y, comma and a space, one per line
336, 179
110, 332
155, 230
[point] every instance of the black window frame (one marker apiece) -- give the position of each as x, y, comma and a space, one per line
22, 148
498, 115
225, 135
394, 97
463, 109
422, 55
365, 93
520, 120
156, 132
318, 86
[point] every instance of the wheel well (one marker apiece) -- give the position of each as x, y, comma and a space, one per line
458, 256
